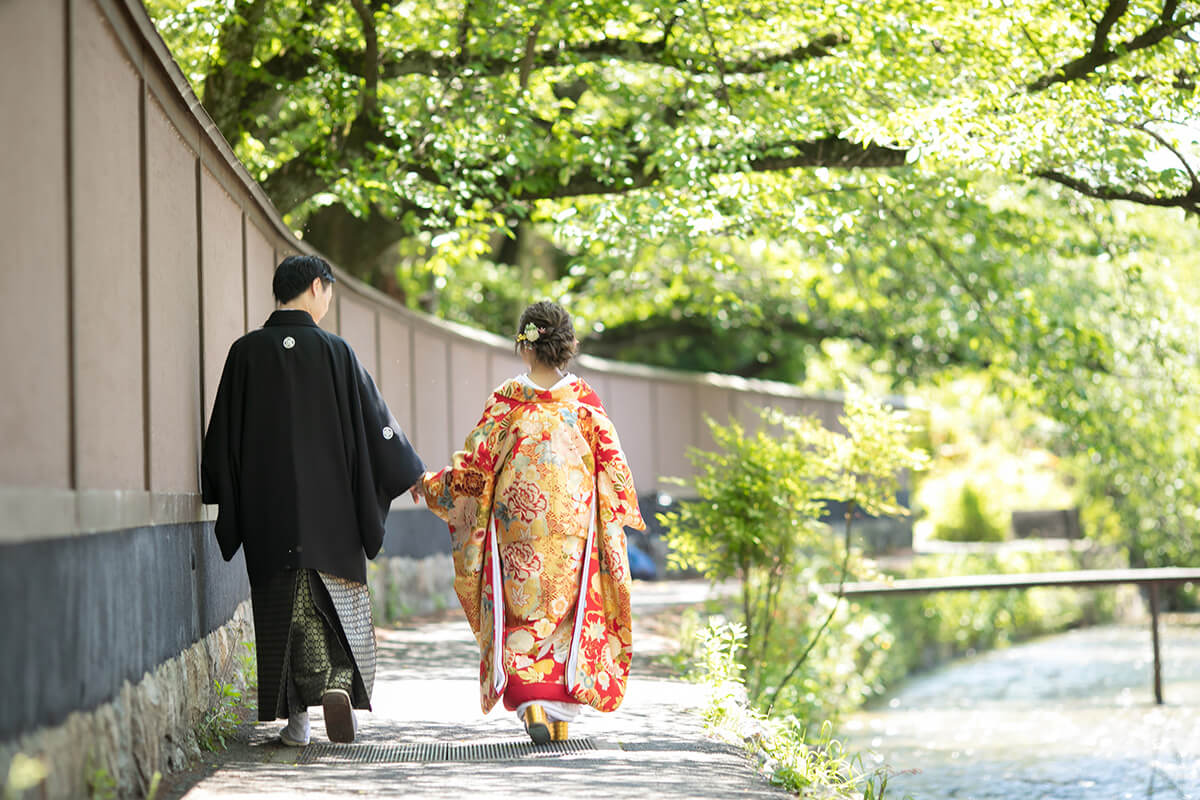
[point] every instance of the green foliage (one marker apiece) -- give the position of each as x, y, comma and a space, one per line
887, 193
809, 766
676, 120
220, 721
715, 660
24, 773
225, 716
970, 519
999, 450
756, 516
155, 783
888, 175
925, 630
248, 666
760, 498
101, 784
875, 643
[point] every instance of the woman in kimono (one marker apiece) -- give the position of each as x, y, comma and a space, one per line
537, 503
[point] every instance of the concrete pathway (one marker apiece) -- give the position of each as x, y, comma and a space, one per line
1061, 718
426, 692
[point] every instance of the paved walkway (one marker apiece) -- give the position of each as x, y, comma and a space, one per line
426, 692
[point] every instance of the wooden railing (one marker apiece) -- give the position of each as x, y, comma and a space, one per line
1151, 579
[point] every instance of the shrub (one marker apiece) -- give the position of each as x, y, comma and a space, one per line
761, 497
970, 520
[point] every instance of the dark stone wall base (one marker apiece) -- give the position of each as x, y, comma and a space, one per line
81, 616
148, 727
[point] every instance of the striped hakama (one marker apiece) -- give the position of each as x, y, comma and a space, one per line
313, 633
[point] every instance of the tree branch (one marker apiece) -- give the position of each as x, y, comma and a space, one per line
301, 177
296, 180
530, 45
464, 29
370, 58
941, 255
1188, 201
1116, 9
1102, 54
837, 599
830, 151
357, 243
613, 340
1162, 140
224, 88
292, 65
722, 89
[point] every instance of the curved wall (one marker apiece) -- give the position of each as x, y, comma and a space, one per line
138, 249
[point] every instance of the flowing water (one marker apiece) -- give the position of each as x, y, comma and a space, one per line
1064, 717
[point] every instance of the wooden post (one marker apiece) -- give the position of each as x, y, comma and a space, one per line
1158, 694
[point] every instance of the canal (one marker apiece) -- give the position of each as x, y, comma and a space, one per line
1063, 717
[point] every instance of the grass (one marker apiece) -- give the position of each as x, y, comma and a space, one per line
816, 766
225, 716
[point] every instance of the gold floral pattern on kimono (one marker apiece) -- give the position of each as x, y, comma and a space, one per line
537, 503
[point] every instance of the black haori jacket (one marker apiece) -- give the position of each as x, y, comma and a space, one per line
301, 453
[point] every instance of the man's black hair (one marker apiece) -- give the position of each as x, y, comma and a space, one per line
296, 273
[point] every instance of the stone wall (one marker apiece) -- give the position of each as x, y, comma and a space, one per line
149, 727
404, 587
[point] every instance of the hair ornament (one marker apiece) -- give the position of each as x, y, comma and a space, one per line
531, 333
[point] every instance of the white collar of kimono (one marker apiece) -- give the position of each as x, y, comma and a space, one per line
563, 381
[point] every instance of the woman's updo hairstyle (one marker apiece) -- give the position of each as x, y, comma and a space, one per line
546, 329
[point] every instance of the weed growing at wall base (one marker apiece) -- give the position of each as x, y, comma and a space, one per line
100, 782
220, 721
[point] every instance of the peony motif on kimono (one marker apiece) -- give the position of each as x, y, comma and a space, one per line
537, 502
525, 500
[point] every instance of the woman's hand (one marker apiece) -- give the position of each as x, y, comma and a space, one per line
415, 491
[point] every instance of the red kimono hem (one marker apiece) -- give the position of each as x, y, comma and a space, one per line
515, 694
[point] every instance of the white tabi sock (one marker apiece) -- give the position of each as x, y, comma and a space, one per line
297, 732
556, 710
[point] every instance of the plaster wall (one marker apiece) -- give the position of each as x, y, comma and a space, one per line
35, 417
172, 307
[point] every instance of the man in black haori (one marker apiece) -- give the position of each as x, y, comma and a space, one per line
304, 458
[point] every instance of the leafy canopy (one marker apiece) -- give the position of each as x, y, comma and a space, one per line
410, 119
776, 188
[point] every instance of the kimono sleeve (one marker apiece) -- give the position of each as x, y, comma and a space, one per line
220, 458
461, 494
386, 465
614, 479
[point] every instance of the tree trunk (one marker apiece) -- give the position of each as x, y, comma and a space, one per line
360, 246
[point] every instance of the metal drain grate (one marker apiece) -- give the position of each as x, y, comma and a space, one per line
438, 752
